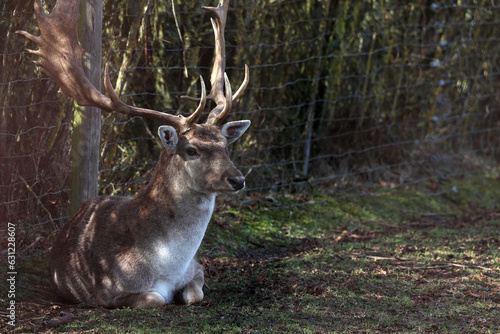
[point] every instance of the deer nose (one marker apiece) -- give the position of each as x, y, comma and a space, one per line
236, 182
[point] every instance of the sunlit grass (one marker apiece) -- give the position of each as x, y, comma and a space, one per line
325, 265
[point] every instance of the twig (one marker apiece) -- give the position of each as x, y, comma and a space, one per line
38, 200
420, 268
434, 265
467, 266
181, 39
393, 258
64, 319
490, 275
48, 293
421, 224
429, 214
32, 244
440, 266
210, 251
148, 130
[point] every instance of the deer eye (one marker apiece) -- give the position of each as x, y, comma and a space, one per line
191, 151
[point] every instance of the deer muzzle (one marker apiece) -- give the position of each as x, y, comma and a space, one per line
236, 182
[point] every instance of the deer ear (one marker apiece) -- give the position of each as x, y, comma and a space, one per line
233, 130
168, 137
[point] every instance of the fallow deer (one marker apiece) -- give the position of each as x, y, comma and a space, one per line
140, 251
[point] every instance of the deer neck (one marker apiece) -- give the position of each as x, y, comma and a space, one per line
169, 197
176, 217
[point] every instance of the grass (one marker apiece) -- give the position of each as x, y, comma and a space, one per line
392, 260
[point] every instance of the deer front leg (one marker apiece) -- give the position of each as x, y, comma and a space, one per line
192, 292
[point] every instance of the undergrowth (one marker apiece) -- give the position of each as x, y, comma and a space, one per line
391, 260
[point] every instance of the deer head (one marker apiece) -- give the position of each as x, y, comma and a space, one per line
60, 58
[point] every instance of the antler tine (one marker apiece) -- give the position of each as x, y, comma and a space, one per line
219, 77
60, 57
218, 118
244, 84
123, 108
218, 69
201, 106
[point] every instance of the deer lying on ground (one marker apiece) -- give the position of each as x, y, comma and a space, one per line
139, 251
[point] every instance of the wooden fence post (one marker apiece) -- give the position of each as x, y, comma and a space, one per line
87, 120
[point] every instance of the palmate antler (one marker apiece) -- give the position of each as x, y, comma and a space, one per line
60, 57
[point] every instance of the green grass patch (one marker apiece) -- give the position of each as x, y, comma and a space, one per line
392, 260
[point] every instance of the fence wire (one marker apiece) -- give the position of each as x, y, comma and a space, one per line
343, 95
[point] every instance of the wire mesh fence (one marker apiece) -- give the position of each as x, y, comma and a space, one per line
346, 95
